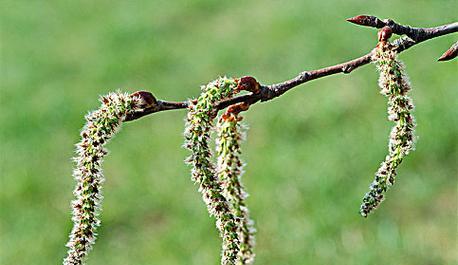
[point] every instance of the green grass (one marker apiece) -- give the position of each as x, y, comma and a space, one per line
311, 153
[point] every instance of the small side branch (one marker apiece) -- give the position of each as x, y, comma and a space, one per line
413, 36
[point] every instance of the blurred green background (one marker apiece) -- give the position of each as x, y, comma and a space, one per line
311, 153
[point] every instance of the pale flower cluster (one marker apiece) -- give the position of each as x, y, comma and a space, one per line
229, 170
199, 124
101, 125
395, 85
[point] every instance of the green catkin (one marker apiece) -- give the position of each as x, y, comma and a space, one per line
394, 84
229, 170
101, 125
199, 124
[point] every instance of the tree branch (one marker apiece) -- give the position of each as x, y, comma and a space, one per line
267, 92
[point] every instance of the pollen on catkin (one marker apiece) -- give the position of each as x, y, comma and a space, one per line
199, 124
394, 84
101, 125
229, 170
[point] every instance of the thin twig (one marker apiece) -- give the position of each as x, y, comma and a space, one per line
416, 34
267, 92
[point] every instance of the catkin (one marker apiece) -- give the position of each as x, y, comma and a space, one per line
394, 84
199, 124
229, 170
101, 125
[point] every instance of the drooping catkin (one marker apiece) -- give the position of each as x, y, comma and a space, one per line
199, 124
394, 84
229, 170
101, 125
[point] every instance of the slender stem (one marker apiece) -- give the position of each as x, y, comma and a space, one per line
413, 37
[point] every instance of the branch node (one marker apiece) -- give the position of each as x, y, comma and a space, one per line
147, 100
389, 22
266, 93
346, 69
249, 83
384, 34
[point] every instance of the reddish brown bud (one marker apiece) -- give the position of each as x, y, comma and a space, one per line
237, 108
233, 111
362, 20
384, 34
248, 83
228, 116
450, 53
147, 99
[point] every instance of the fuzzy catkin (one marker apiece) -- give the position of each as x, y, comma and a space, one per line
100, 127
199, 124
230, 170
394, 84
